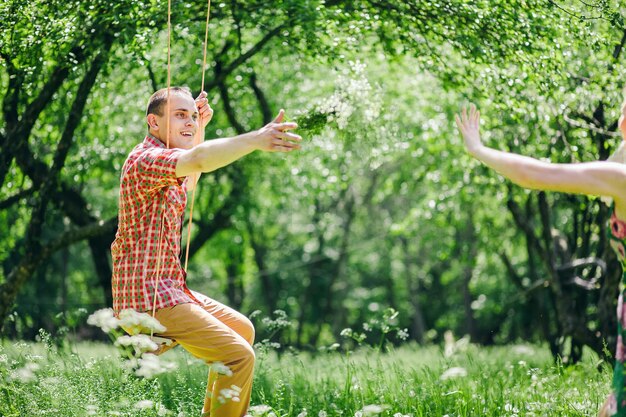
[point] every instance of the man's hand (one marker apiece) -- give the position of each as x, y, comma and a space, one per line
469, 127
204, 109
274, 137
205, 113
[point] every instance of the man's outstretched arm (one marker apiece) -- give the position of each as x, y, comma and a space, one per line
213, 154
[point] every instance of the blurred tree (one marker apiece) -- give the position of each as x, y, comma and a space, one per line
381, 209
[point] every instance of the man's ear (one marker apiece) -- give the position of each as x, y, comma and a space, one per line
153, 124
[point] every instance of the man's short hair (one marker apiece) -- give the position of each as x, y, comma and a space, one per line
159, 98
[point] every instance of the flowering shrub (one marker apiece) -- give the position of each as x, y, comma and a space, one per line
136, 346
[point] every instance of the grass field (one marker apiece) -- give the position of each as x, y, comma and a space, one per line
87, 379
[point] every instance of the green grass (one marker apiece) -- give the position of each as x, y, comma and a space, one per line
89, 379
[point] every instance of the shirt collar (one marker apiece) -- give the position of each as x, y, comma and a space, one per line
151, 141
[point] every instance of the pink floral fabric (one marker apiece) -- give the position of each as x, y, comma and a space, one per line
618, 227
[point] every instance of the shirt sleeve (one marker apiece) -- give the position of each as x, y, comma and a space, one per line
156, 168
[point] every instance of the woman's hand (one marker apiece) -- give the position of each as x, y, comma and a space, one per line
468, 124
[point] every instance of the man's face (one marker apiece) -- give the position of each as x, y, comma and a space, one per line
183, 122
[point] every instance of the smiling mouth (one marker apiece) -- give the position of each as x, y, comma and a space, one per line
187, 134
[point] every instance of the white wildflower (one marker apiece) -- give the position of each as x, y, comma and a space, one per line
231, 393
151, 366
221, 369
372, 410
130, 364
25, 374
281, 321
104, 319
454, 372
162, 411
449, 348
141, 343
322, 413
144, 404
347, 332
259, 410
403, 334
135, 323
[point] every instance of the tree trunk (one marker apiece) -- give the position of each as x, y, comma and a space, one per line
418, 328
32, 257
470, 251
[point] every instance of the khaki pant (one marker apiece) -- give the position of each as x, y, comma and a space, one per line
214, 332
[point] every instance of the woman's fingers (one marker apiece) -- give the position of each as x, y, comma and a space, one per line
467, 119
459, 123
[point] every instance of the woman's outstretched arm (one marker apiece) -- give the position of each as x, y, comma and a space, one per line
591, 178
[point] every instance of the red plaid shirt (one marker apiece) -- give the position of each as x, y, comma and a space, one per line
150, 195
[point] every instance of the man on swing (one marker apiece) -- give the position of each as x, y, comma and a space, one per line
147, 272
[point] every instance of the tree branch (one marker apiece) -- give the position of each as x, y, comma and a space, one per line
228, 108
10, 110
546, 230
266, 111
18, 133
517, 280
522, 222
153, 81
228, 69
16, 197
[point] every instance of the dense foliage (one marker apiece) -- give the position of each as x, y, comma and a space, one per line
382, 207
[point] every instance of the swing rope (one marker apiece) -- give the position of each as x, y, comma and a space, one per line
167, 145
199, 138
